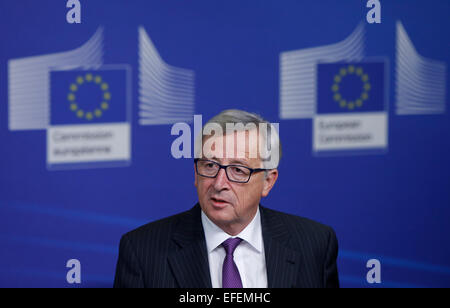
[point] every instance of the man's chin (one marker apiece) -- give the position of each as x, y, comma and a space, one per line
221, 212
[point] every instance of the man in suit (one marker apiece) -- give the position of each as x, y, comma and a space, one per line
228, 239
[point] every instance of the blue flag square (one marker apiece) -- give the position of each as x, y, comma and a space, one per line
88, 97
350, 87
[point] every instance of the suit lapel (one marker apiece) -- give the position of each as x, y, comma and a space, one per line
189, 261
282, 262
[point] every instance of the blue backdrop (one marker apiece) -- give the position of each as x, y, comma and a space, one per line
392, 205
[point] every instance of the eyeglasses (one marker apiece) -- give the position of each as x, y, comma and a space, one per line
235, 173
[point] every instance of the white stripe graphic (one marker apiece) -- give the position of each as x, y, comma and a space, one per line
298, 73
166, 93
420, 82
29, 82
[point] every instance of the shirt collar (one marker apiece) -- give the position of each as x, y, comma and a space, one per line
252, 234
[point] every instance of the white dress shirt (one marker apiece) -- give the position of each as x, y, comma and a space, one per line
249, 254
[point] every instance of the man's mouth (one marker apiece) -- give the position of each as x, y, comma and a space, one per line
219, 202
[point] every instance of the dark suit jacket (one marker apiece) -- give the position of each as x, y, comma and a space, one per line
172, 253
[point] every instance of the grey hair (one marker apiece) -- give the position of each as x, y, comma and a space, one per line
236, 116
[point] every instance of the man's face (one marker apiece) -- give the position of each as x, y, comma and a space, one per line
228, 203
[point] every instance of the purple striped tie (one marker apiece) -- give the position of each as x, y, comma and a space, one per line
230, 272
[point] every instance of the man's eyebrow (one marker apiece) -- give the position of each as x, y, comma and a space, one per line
233, 161
213, 158
239, 161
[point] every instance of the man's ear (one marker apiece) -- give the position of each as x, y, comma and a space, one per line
269, 181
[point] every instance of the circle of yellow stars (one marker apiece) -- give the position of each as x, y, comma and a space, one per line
346, 71
106, 97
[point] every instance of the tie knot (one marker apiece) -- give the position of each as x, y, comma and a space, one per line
231, 244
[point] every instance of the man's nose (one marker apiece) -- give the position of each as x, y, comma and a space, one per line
221, 181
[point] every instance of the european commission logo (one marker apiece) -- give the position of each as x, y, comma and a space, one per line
346, 94
85, 106
351, 107
88, 96
89, 124
82, 104
350, 87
